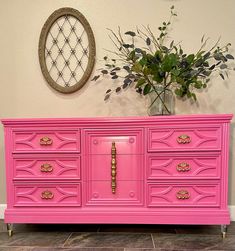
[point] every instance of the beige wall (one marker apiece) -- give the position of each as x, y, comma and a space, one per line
24, 93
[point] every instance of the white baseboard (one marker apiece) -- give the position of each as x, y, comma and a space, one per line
3, 207
232, 212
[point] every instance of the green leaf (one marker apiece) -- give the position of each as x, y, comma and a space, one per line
127, 81
212, 67
136, 67
194, 96
190, 58
118, 89
95, 78
198, 84
147, 89
140, 82
104, 71
130, 33
222, 76
148, 41
218, 57
126, 67
178, 92
124, 86
106, 97
116, 69
126, 45
223, 66
229, 56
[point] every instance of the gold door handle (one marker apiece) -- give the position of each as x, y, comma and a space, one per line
183, 195
45, 141
183, 139
113, 168
47, 195
183, 167
47, 168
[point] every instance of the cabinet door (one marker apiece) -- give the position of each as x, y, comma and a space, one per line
113, 170
126, 141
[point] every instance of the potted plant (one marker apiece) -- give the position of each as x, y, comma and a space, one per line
160, 68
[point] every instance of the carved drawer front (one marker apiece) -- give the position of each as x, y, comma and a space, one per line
126, 193
183, 195
182, 167
47, 195
47, 168
193, 138
46, 141
126, 141
127, 167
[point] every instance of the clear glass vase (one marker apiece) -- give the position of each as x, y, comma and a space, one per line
161, 101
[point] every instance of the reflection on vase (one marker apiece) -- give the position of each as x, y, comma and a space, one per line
161, 101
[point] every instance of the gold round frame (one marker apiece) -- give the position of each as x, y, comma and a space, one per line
91, 50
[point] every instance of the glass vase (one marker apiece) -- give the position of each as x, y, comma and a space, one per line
161, 101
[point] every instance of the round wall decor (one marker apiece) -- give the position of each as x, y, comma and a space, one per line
66, 50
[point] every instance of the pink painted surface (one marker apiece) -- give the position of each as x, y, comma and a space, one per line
46, 168
169, 195
191, 166
149, 149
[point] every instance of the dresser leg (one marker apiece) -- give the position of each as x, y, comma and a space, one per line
10, 229
223, 230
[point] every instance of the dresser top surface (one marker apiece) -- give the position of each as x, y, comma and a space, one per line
198, 118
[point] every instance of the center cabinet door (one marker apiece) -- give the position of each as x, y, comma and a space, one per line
114, 167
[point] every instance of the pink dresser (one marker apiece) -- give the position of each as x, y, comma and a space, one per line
152, 170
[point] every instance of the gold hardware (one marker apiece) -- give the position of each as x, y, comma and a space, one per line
47, 168
46, 141
10, 229
183, 195
184, 139
113, 168
183, 167
47, 195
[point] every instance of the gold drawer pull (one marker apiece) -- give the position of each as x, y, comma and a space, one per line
47, 195
113, 168
183, 167
46, 141
183, 139
183, 195
47, 168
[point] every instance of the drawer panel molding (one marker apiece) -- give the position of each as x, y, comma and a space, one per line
178, 139
183, 195
47, 195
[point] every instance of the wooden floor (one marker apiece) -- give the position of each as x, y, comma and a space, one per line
43, 237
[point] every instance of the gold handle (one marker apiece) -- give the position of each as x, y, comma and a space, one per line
45, 141
183, 167
183, 195
113, 168
47, 195
183, 139
47, 168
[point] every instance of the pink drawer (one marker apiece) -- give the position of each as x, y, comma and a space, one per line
47, 167
127, 193
46, 140
182, 167
190, 138
128, 167
126, 141
183, 195
47, 195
